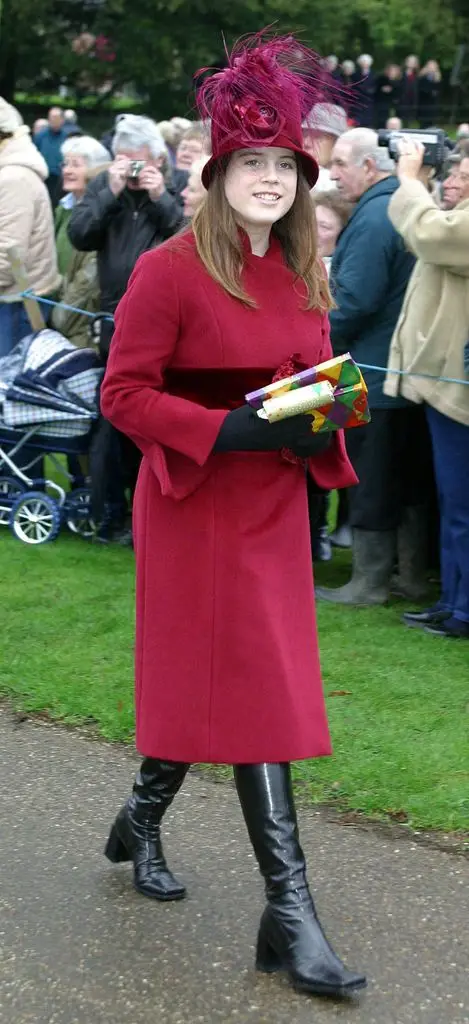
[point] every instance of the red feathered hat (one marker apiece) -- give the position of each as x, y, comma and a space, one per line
261, 99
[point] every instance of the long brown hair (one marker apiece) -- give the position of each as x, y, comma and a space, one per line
220, 247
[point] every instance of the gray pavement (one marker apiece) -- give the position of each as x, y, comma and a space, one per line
79, 946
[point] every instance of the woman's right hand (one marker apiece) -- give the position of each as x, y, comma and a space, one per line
243, 431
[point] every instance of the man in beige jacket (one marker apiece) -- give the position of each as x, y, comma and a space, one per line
25, 221
430, 340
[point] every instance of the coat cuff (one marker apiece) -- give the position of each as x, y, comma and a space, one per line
332, 468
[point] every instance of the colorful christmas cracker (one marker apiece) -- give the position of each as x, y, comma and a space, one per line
346, 407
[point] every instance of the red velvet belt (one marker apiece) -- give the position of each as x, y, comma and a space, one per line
216, 389
225, 388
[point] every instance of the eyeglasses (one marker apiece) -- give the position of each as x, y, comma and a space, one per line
460, 175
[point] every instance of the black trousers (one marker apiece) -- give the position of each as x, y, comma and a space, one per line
392, 458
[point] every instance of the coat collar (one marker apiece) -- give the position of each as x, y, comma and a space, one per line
68, 201
274, 252
386, 187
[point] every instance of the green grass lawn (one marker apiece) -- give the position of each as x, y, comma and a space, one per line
397, 699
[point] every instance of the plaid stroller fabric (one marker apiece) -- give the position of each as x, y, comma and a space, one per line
48, 383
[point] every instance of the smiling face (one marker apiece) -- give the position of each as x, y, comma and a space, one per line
74, 174
260, 185
456, 186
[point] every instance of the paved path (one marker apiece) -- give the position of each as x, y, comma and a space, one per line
79, 946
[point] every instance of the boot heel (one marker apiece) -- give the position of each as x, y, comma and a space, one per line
267, 959
115, 851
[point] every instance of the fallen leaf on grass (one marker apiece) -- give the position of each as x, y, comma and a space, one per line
340, 693
120, 706
398, 815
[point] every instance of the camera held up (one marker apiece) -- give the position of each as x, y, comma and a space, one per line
136, 168
436, 143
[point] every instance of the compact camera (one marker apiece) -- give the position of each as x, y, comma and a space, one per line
136, 168
436, 143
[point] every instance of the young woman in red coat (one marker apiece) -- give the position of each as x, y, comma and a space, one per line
227, 666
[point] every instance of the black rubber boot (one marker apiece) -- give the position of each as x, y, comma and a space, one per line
135, 834
320, 544
290, 935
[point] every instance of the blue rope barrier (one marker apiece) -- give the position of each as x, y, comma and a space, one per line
363, 366
408, 373
63, 305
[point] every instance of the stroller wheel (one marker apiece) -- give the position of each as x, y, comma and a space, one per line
35, 518
78, 513
10, 489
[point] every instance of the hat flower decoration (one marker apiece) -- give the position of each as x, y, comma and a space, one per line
262, 97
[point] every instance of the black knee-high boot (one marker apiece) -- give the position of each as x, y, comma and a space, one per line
290, 935
135, 834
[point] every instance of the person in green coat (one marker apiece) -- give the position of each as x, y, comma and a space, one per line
84, 157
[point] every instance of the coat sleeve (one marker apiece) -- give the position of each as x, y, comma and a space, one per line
16, 221
89, 220
80, 289
331, 469
176, 435
440, 237
366, 259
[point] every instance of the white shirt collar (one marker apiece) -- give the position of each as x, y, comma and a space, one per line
68, 201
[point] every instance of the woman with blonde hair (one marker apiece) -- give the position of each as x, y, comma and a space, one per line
195, 190
227, 667
84, 158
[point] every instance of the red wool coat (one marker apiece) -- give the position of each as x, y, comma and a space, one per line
227, 666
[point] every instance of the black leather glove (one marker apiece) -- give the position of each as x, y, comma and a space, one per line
243, 431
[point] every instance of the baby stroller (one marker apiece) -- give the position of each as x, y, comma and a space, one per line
49, 403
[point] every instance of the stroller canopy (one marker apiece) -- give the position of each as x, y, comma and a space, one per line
47, 382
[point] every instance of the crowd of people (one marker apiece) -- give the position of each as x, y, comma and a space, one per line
84, 210
410, 92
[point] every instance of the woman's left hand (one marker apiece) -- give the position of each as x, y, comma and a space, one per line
410, 159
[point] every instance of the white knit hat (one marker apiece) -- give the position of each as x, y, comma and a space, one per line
10, 118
